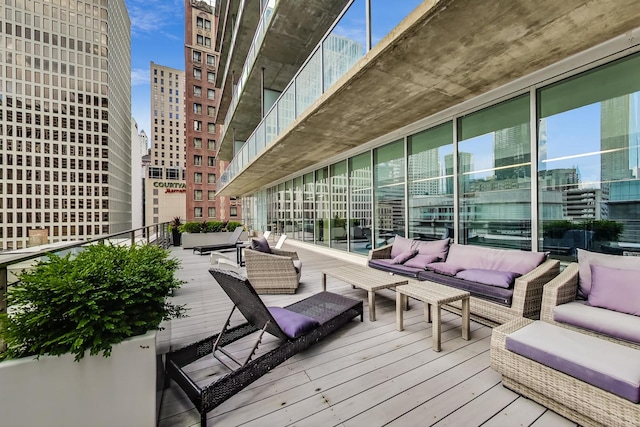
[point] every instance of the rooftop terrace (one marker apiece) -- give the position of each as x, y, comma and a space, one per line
364, 374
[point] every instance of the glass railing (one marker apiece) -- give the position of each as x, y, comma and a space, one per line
234, 35
238, 88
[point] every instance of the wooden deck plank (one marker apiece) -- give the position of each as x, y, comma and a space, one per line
363, 374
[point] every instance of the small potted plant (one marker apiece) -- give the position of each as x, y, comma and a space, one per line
176, 232
66, 311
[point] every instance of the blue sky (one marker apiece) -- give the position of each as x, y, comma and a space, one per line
157, 34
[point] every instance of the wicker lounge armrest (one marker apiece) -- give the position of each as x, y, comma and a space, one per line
272, 273
288, 254
383, 252
561, 290
528, 289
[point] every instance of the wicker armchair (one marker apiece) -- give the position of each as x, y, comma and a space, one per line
274, 273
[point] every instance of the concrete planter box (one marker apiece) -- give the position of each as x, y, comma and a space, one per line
57, 391
190, 240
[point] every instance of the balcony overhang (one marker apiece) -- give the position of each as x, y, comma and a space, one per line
295, 30
247, 19
444, 53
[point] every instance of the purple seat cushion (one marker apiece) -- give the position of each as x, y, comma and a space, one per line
600, 320
404, 256
444, 268
401, 245
604, 364
469, 256
388, 266
261, 245
421, 260
494, 294
439, 248
292, 324
615, 289
502, 279
586, 259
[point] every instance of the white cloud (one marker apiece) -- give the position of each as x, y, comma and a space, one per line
139, 76
151, 16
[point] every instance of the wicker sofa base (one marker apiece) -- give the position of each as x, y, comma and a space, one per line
574, 399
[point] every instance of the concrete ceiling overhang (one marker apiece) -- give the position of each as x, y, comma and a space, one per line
236, 53
444, 53
296, 28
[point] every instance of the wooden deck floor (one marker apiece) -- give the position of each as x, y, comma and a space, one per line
365, 374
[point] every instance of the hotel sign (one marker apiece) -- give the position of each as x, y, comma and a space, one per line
171, 187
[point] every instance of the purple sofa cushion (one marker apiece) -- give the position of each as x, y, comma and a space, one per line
502, 279
614, 369
403, 257
261, 245
401, 245
615, 289
586, 259
439, 248
600, 320
421, 260
386, 265
292, 324
469, 256
444, 268
494, 294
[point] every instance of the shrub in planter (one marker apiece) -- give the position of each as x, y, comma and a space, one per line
174, 229
98, 298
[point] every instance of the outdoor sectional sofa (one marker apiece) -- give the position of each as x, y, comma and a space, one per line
582, 359
504, 283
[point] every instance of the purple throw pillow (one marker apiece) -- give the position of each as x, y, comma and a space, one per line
261, 245
292, 324
500, 279
404, 256
586, 259
615, 289
444, 268
401, 245
421, 261
439, 248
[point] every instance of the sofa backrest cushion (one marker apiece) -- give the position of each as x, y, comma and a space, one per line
444, 268
401, 245
615, 289
403, 256
261, 245
439, 248
586, 259
501, 279
468, 256
421, 260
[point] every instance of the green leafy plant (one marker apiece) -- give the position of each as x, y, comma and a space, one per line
209, 226
100, 297
175, 224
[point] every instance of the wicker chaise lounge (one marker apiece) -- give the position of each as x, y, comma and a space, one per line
298, 326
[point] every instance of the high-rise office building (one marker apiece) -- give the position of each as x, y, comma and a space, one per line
165, 186
201, 101
65, 120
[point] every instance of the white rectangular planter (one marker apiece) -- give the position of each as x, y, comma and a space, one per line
190, 240
57, 391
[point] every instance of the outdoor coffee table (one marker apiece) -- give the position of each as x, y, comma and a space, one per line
366, 278
434, 296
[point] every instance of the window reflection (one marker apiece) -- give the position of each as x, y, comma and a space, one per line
360, 207
389, 187
322, 207
339, 205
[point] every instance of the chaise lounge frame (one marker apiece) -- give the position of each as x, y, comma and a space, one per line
332, 311
231, 244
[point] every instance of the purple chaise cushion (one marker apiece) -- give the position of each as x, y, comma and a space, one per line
439, 248
604, 364
586, 259
403, 257
615, 289
444, 268
292, 324
421, 260
501, 279
469, 256
401, 245
600, 320
261, 245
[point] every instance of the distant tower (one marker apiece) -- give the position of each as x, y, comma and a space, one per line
511, 146
614, 139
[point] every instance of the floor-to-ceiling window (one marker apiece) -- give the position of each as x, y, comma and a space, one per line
338, 180
322, 207
388, 192
309, 206
494, 175
360, 206
298, 206
589, 145
430, 183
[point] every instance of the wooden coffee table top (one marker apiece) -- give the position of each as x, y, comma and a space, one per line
431, 292
366, 278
